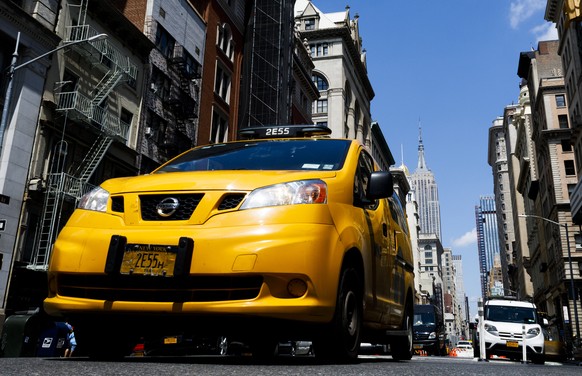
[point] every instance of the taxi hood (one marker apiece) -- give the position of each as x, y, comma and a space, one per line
240, 180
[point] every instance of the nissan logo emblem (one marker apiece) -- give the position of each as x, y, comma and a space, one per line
167, 207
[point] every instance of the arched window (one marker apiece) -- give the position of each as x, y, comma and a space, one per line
320, 82
224, 40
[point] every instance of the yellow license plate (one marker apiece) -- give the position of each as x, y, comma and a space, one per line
170, 340
512, 344
417, 346
148, 259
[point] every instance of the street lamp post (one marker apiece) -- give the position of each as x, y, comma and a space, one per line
13, 68
565, 225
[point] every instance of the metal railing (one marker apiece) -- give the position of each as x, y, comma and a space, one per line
108, 122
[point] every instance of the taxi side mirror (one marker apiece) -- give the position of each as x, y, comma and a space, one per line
381, 185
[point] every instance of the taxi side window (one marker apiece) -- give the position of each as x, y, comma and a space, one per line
363, 172
398, 213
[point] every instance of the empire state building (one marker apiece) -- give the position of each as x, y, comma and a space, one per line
423, 183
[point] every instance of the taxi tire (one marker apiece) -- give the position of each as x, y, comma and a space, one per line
340, 341
401, 347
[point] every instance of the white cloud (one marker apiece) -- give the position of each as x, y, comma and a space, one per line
521, 10
545, 31
466, 239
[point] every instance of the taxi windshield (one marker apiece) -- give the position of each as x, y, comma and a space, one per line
308, 154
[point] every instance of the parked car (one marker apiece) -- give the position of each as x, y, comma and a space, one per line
286, 232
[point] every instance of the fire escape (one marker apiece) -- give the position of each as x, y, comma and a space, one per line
180, 100
87, 109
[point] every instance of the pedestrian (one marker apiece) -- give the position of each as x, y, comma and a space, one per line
71, 343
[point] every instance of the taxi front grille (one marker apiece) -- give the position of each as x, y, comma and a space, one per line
159, 289
186, 204
231, 201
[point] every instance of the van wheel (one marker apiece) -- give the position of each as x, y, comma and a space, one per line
401, 347
340, 340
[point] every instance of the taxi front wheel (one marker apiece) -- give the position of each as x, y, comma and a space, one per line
401, 347
341, 340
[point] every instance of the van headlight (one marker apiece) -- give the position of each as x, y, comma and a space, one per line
95, 200
534, 332
432, 335
491, 329
291, 193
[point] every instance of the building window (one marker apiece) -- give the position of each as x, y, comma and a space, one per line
569, 167
428, 254
560, 100
164, 41
126, 116
222, 83
566, 145
320, 82
219, 128
322, 123
428, 261
310, 24
563, 121
224, 40
160, 84
319, 49
157, 127
320, 106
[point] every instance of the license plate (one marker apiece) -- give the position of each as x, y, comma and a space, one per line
512, 344
417, 347
148, 259
170, 340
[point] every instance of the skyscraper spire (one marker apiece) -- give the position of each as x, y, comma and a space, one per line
421, 162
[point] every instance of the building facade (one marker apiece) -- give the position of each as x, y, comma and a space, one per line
551, 266
340, 71
523, 183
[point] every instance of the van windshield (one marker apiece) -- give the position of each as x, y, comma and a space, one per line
424, 318
511, 314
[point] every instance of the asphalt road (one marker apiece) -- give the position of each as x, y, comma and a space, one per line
196, 365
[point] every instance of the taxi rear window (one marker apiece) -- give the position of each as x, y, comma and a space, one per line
295, 155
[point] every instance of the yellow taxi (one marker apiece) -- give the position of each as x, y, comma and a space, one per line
286, 234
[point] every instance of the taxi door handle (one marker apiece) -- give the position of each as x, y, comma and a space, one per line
384, 229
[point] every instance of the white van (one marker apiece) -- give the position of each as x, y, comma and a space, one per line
505, 321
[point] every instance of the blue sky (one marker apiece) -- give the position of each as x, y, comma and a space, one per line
451, 64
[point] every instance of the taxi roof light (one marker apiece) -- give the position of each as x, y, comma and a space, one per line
285, 131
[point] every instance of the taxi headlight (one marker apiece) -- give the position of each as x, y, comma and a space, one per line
95, 200
291, 193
